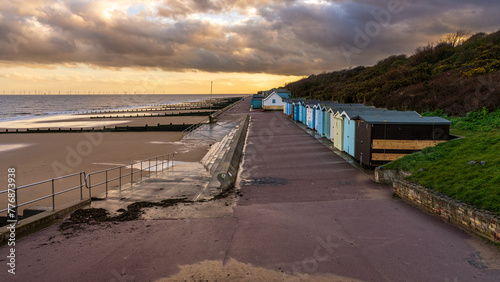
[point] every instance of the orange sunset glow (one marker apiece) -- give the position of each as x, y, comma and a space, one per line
178, 47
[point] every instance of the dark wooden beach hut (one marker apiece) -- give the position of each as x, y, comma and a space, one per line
387, 136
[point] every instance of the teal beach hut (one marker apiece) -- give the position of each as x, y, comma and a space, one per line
256, 102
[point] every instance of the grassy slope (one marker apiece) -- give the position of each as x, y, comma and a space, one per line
445, 167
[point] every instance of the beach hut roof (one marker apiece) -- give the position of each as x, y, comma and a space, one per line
293, 100
352, 113
396, 117
311, 102
284, 95
343, 107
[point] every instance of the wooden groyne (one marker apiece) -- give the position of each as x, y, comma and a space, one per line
157, 127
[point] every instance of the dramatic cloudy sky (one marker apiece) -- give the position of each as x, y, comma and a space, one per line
174, 46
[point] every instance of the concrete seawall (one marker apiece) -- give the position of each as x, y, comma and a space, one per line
224, 176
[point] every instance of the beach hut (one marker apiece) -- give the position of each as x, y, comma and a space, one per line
286, 106
310, 113
291, 107
274, 101
338, 131
326, 122
349, 134
337, 121
327, 119
310, 116
318, 125
256, 102
349, 127
296, 111
384, 138
304, 113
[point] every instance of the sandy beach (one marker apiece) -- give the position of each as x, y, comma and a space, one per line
42, 156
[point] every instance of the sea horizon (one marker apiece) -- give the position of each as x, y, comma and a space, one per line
15, 107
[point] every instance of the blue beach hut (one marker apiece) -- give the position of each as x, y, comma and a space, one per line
318, 124
303, 113
349, 127
296, 111
256, 102
310, 116
326, 122
327, 119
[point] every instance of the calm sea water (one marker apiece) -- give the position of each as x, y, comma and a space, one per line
18, 107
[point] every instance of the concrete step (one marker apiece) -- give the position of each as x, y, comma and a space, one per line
208, 156
220, 150
220, 156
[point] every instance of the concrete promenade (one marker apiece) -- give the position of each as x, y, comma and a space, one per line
303, 213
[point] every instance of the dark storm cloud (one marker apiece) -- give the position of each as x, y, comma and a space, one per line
278, 37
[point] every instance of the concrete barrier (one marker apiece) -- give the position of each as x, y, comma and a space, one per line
41, 220
225, 174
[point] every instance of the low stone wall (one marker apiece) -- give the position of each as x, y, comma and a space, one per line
480, 222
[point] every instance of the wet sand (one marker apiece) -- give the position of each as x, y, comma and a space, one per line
85, 122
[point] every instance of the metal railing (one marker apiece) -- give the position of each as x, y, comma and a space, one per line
126, 172
52, 195
194, 127
207, 120
81, 179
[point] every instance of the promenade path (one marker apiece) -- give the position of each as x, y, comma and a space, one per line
303, 213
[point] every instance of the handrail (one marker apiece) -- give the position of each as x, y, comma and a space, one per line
194, 127
214, 115
85, 180
52, 195
169, 158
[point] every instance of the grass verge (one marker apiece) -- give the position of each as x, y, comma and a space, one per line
446, 168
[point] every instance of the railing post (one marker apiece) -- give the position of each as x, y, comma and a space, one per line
131, 174
106, 183
168, 161
173, 159
53, 196
149, 168
141, 170
17, 207
81, 186
90, 187
120, 178
156, 166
